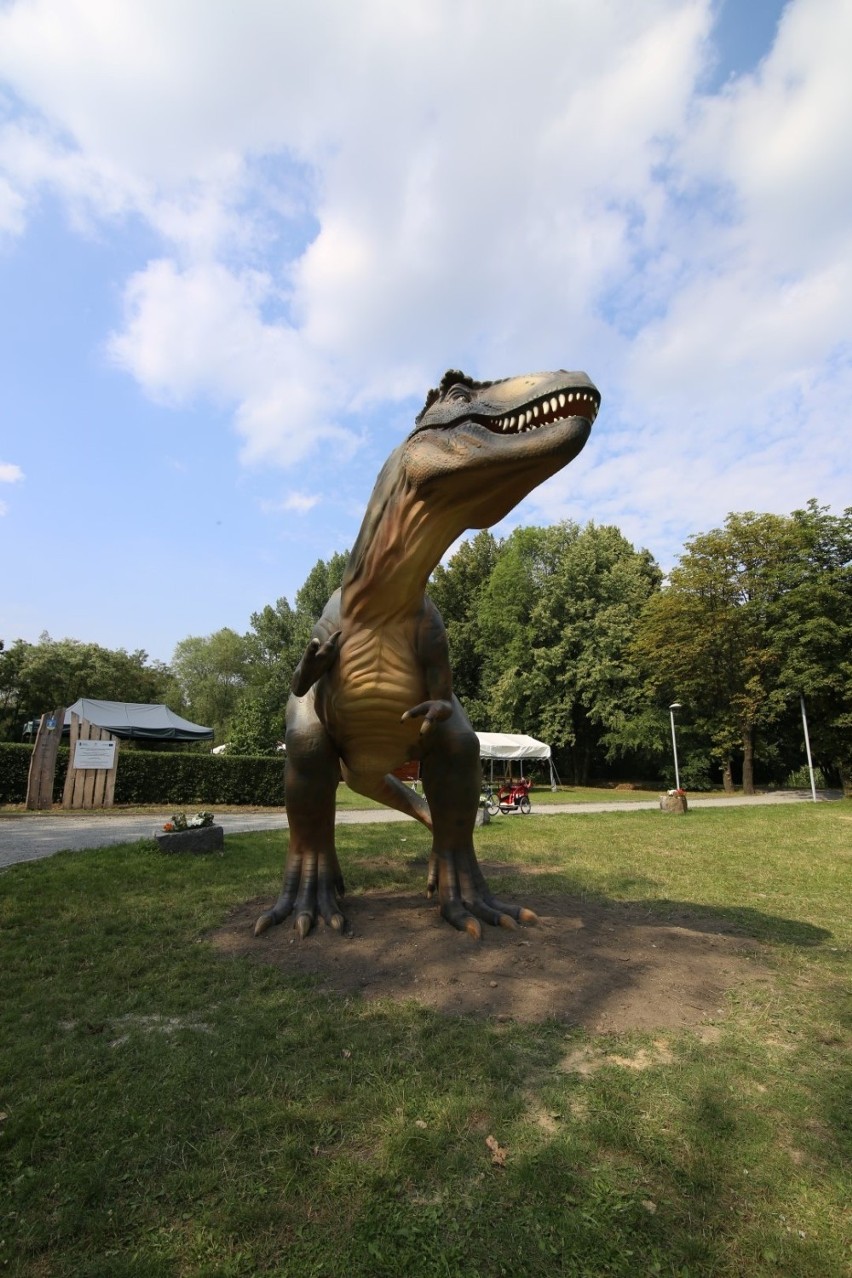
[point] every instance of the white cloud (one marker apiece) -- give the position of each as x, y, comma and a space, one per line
295, 502
9, 474
200, 331
463, 201
350, 198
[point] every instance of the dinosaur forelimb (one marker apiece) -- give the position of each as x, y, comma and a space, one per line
317, 658
430, 712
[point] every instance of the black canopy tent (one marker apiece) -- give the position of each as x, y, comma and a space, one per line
134, 721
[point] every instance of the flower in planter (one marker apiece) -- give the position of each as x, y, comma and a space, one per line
180, 821
200, 821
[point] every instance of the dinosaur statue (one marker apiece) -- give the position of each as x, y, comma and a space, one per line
373, 689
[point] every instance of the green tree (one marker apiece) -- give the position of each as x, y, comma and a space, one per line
212, 671
320, 584
37, 677
274, 647
457, 589
753, 614
813, 631
557, 619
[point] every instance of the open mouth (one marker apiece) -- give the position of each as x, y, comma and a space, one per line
551, 408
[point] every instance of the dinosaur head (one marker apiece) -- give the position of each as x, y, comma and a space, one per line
476, 450
479, 447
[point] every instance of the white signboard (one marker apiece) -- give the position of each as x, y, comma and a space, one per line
94, 754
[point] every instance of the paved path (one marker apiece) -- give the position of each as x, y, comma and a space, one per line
30, 836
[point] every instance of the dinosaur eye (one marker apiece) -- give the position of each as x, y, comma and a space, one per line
460, 393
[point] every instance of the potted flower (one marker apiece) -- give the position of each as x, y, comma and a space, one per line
674, 801
190, 834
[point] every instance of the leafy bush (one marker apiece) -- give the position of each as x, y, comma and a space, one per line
148, 776
801, 779
14, 770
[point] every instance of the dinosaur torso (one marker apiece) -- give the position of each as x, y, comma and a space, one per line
362, 700
476, 450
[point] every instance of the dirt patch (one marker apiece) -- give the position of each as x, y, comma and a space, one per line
608, 968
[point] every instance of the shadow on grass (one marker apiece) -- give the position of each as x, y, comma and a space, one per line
167, 1112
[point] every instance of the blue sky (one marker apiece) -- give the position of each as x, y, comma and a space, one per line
238, 244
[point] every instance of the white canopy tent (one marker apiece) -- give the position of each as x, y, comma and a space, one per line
510, 746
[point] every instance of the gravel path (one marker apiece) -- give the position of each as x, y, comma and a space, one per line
32, 836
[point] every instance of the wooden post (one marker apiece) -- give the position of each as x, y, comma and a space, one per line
43, 761
89, 787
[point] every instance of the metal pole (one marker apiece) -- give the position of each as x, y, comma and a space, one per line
674, 706
808, 747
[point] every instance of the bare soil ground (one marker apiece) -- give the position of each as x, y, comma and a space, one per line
609, 968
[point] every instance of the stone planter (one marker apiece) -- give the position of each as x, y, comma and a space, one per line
673, 803
206, 838
483, 816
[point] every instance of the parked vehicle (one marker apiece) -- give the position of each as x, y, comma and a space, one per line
515, 797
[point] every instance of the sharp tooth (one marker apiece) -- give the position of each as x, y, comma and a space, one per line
535, 410
553, 405
561, 401
511, 423
529, 417
505, 424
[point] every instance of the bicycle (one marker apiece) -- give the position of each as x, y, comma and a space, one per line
487, 797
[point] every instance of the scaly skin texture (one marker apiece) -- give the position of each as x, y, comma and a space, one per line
374, 688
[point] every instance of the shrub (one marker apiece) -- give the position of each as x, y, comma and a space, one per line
148, 776
14, 770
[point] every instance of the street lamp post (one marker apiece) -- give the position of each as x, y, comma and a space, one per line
808, 747
675, 705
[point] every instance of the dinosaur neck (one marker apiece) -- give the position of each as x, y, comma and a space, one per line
401, 540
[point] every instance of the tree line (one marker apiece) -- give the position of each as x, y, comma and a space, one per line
567, 633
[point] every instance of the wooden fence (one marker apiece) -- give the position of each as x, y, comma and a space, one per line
92, 786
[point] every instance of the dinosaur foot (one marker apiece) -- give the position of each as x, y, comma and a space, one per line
464, 899
312, 889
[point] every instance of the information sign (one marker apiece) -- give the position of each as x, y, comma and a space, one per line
94, 754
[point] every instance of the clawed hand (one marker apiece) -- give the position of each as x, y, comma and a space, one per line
430, 712
317, 659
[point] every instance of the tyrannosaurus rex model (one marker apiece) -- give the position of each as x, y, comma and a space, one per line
374, 689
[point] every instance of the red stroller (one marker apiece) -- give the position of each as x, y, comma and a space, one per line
515, 797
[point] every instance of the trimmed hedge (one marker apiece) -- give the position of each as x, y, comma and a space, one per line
14, 771
154, 776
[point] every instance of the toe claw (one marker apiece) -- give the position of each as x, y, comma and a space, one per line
529, 918
508, 922
303, 925
263, 923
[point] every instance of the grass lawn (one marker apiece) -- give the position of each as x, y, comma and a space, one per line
167, 1111
543, 794
348, 799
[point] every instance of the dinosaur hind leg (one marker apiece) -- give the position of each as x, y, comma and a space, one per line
451, 780
313, 883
